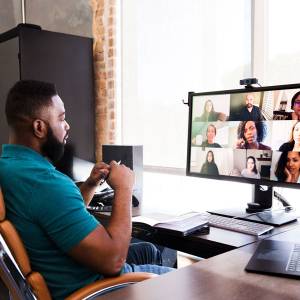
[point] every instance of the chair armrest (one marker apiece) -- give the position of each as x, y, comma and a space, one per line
108, 283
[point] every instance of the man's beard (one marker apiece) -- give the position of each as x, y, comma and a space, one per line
249, 105
53, 148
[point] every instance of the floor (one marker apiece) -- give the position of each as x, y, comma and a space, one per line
184, 259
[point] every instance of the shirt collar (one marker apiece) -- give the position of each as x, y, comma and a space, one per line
19, 151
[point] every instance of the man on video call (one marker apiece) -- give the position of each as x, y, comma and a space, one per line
250, 112
70, 247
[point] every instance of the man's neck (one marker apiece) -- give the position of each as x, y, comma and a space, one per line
25, 141
250, 108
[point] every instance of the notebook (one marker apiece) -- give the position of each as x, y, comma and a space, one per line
277, 258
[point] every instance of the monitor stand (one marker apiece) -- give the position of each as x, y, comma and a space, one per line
260, 209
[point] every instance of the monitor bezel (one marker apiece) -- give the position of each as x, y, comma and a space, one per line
266, 182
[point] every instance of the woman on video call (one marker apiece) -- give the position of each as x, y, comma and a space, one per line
251, 170
209, 114
251, 134
295, 105
209, 167
288, 167
211, 133
294, 143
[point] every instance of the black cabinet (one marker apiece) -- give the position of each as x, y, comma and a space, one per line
28, 52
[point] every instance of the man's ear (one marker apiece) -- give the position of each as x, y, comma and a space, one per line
39, 128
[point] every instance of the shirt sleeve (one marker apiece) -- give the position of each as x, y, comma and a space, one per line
61, 212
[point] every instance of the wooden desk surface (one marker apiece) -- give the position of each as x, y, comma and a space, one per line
220, 277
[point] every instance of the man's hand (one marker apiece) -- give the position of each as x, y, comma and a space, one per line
99, 173
120, 177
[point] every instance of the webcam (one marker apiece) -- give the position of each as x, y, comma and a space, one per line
247, 82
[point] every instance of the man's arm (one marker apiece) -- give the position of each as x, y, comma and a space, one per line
105, 249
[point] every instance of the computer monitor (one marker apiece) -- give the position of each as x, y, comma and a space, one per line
249, 135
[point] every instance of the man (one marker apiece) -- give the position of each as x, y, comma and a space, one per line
64, 242
250, 112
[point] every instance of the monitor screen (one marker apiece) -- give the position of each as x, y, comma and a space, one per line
247, 135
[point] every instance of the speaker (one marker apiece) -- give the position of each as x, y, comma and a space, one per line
130, 156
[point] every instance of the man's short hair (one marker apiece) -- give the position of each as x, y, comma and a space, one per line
26, 98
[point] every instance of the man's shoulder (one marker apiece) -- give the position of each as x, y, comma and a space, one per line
54, 177
52, 183
256, 108
244, 111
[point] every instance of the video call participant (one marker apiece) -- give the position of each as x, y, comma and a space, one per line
295, 106
250, 112
211, 133
250, 135
70, 247
288, 167
294, 142
209, 167
251, 170
209, 114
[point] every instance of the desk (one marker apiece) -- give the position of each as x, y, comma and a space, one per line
220, 277
216, 242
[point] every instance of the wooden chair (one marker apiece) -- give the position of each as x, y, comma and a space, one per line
25, 284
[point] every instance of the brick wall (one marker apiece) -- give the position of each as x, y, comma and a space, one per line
104, 72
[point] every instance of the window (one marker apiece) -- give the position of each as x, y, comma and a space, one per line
171, 47
277, 48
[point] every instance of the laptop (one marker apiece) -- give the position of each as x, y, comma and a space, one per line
277, 258
182, 225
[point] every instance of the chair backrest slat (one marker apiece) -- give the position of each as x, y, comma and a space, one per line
12, 277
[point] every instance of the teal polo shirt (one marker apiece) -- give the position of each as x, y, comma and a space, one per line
49, 213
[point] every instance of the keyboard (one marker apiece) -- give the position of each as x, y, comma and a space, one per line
238, 225
294, 261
